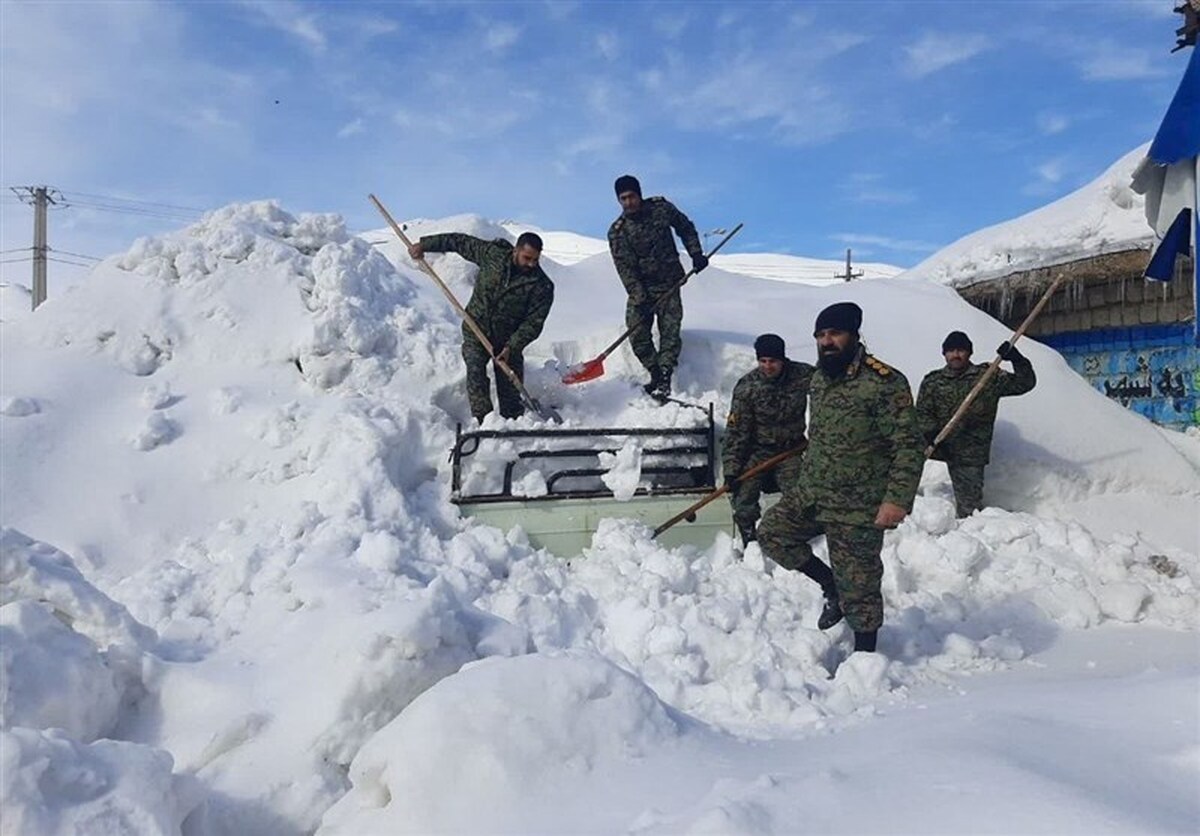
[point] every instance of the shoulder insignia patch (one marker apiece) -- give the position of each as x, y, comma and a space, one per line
731, 420
902, 400
878, 366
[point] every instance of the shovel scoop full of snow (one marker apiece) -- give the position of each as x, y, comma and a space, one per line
587, 370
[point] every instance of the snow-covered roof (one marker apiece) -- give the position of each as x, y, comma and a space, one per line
1104, 216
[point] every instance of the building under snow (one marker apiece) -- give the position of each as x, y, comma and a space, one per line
1133, 339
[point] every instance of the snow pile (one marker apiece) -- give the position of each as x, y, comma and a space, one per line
73, 664
1104, 216
533, 726
239, 432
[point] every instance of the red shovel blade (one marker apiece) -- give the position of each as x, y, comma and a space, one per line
588, 370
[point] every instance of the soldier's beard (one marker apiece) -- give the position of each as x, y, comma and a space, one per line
835, 362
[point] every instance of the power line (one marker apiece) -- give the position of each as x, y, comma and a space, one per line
64, 261
129, 210
15, 250
76, 255
142, 203
16, 260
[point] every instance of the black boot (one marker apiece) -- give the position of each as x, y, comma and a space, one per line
662, 391
823, 575
831, 614
655, 376
865, 641
748, 533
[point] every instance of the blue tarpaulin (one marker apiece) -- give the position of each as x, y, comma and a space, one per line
1178, 136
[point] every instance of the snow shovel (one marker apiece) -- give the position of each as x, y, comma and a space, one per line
689, 513
990, 372
530, 402
592, 369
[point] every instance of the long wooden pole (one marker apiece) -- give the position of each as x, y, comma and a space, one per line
992, 367
530, 401
721, 491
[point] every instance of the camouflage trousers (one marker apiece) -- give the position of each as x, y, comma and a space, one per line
670, 319
479, 388
784, 536
745, 501
967, 480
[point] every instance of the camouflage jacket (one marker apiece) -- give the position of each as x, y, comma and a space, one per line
644, 251
864, 445
766, 416
509, 306
941, 393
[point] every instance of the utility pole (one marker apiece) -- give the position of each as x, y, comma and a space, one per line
41, 197
849, 274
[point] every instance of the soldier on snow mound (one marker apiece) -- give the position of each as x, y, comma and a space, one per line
857, 478
967, 450
766, 417
647, 262
510, 302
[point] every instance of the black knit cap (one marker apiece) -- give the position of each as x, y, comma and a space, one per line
627, 183
957, 339
769, 345
840, 316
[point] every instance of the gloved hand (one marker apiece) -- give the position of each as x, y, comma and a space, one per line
1008, 351
732, 485
699, 262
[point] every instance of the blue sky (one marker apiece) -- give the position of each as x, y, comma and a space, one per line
891, 127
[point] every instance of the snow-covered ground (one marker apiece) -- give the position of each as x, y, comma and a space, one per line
235, 597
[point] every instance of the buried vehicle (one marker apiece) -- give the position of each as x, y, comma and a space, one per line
558, 483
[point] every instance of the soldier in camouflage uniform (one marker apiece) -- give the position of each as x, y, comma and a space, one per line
648, 264
510, 302
766, 417
967, 450
857, 478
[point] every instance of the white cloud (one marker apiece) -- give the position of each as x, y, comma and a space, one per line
351, 128
501, 36
886, 242
1051, 171
671, 27
1049, 176
935, 52
1052, 123
1118, 65
291, 18
863, 187
608, 45
774, 90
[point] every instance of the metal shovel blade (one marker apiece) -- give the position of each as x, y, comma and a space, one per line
549, 413
582, 372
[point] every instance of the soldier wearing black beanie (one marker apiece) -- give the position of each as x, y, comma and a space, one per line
647, 261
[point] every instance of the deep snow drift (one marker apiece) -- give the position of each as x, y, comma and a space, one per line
236, 597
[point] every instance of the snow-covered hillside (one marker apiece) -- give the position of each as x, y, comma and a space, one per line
569, 248
235, 597
1102, 217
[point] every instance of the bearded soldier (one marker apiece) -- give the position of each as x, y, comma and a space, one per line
857, 478
510, 302
647, 262
766, 417
967, 450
